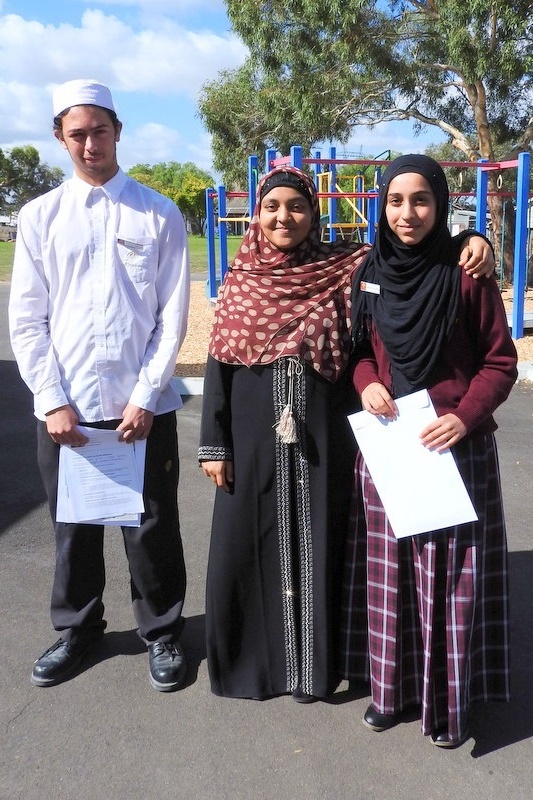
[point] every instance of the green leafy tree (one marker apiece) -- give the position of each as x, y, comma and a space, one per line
460, 179
319, 68
23, 176
185, 184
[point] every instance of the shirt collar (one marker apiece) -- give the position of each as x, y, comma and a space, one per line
112, 189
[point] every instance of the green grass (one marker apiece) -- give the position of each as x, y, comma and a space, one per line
197, 250
6, 260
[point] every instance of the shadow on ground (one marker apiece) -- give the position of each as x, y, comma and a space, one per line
22, 489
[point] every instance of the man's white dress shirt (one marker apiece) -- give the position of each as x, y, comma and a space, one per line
99, 298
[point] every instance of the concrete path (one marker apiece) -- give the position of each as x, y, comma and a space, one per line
107, 734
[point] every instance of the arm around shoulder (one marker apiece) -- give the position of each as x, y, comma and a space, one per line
495, 352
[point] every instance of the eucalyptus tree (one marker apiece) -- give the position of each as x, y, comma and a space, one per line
319, 68
24, 176
185, 184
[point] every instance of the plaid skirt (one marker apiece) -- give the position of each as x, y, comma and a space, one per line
426, 618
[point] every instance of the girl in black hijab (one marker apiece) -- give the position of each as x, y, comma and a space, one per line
420, 282
425, 618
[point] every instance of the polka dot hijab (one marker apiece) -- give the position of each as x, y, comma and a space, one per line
278, 303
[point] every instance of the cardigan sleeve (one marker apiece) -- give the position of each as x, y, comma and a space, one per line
366, 370
216, 442
478, 365
495, 352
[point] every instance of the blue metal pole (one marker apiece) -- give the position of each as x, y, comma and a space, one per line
316, 167
332, 203
520, 245
360, 188
222, 232
297, 156
253, 179
270, 155
502, 248
372, 215
211, 286
481, 198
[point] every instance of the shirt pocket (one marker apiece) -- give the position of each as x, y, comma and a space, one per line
139, 256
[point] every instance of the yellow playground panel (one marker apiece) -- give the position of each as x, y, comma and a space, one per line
358, 219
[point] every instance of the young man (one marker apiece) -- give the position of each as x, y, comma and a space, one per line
98, 311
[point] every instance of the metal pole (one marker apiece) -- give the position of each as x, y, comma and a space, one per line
520, 245
222, 232
211, 287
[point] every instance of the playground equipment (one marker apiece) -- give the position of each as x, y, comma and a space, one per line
364, 205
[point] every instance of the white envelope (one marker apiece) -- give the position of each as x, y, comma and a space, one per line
421, 490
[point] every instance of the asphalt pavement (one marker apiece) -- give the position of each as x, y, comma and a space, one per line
107, 734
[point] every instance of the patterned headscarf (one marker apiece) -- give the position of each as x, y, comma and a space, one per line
276, 303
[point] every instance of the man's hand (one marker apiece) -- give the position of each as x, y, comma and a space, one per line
62, 426
136, 423
220, 472
477, 258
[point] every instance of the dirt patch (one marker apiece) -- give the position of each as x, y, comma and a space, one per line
193, 353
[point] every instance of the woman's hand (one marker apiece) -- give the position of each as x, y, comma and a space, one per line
476, 257
377, 400
443, 433
220, 472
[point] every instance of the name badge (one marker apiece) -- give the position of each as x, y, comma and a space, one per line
130, 245
372, 288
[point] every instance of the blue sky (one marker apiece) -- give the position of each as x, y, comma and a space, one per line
153, 54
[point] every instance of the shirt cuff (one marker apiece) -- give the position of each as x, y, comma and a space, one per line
213, 453
145, 397
51, 398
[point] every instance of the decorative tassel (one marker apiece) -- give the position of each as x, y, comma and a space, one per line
286, 426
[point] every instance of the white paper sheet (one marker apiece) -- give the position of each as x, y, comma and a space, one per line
101, 483
421, 490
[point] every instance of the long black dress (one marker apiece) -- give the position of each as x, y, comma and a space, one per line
275, 568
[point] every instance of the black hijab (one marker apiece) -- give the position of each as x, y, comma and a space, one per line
416, 307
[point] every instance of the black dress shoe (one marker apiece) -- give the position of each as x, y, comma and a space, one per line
378, 722
58, 663
302, 697
441, 738
167, 666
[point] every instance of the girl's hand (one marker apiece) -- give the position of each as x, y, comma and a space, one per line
220, 472
377, 400
443, 433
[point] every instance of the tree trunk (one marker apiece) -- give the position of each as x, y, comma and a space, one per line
503, 232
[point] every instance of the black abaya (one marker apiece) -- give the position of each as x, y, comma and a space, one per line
277, 539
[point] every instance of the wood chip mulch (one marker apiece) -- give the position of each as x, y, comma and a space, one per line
193, 353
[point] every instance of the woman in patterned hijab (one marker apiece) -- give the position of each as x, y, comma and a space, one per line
276, 442
300, 293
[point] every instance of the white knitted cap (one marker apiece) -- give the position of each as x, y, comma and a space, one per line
81, 92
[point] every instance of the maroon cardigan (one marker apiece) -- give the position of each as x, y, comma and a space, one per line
477, 367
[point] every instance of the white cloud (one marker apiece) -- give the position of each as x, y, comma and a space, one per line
150, 144
200, 153
396, 136
171, 6
164, 59
166, 6
174, 60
